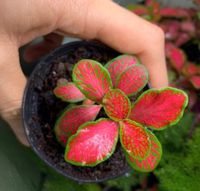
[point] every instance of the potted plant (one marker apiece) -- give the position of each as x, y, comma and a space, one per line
61, 98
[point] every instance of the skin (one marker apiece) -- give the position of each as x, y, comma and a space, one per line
21, 21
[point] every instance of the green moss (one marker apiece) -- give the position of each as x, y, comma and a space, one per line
180, 170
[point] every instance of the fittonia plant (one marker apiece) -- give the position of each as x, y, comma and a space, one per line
90, 142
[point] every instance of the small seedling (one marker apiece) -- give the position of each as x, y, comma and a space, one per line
110, 88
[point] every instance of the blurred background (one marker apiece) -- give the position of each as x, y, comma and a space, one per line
179, 170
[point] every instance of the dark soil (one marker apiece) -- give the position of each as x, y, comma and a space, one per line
42, 108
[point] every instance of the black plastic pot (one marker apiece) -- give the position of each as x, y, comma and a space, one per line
41, 108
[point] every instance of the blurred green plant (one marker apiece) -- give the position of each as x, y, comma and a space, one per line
182, 173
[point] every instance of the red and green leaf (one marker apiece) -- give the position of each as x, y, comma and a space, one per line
132, 80
71, 119
190, 69
116, 105
92, 79
68, 92
139, 9
155, 10
177, 58
158, 109
134, 139
195, 80
93, 143
152, 160
117, 65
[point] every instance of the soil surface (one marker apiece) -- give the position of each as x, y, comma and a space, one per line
44, 108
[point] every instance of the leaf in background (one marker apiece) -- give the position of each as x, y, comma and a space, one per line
190, 69
154, 9
71, 119
134, 139
195, 80
177, 58
179, 13
68, 92
140, 10
182, 39
92, 79
159, 109
132, 80
152, 160
117, 65
116, 105
93, 143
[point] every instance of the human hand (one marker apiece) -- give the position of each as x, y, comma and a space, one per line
22, 21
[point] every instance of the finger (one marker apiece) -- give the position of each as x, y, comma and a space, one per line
123, 31
36, 51
12, 83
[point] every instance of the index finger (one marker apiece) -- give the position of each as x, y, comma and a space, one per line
125, 32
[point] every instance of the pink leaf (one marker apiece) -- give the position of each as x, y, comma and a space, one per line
72, 118
152, 160
92, 79
68, 92
158, 109
134, 139
175, 12
177, 58
116, 105
132, 80
118, 65
195, 80
188, 27
182, 39
93, 143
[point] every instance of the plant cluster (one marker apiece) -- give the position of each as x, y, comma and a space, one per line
109, 89
181, 27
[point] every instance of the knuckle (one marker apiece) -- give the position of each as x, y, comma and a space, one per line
158, 34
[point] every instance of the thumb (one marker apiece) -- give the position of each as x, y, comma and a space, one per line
12, 83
